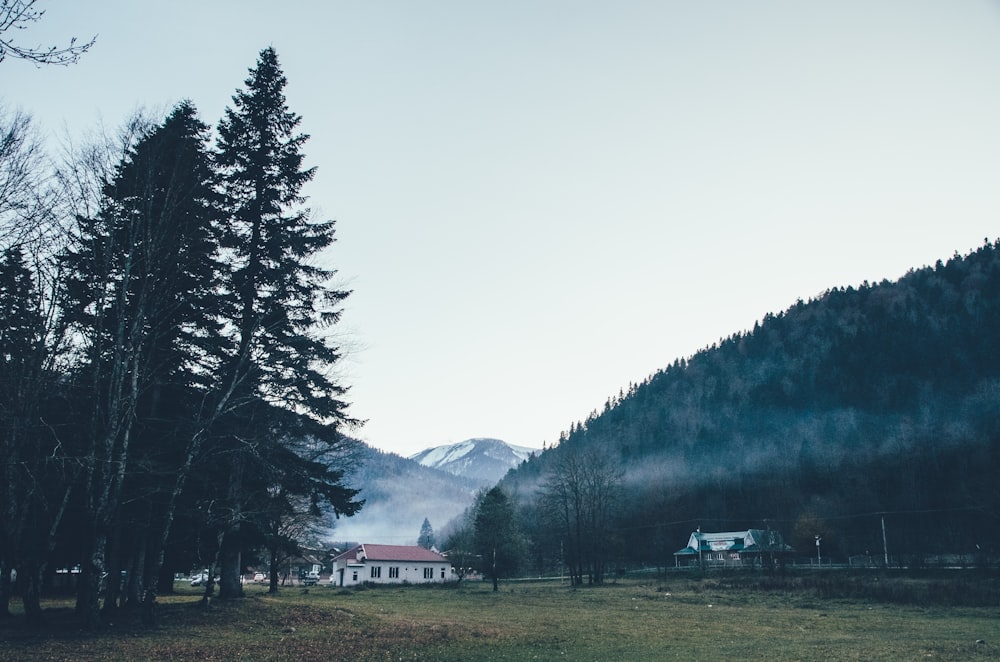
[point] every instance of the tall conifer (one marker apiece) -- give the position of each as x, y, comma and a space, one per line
281, 299
142, 292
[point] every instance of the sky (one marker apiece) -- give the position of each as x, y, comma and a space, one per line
541, 202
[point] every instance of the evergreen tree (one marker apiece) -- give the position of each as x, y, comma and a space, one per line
426, 537
497, 540
20, 320
281, 301
18, 324
290, 496
142, 292
35, 481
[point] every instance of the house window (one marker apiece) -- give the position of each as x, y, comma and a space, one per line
355, 578
442, 573
394, 573
376, 571
428, 573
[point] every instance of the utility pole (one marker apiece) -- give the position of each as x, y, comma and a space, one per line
701, 563
819, 557
495, 580
885, 547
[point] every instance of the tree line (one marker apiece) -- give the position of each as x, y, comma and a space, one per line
574, 510
166, 395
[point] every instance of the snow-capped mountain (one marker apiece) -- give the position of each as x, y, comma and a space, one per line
399, 493
485, 461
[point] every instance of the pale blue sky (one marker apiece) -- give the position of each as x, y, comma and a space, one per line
540, 202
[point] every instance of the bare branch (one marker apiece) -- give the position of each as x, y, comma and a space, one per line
18, 15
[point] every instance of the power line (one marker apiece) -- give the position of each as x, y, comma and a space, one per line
779, 520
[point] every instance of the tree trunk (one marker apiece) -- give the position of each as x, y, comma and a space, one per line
137, 577
206, 598
113, 581
230, 570
91, 586
274, 569
5, 592
31, 588
230, 585
155, 579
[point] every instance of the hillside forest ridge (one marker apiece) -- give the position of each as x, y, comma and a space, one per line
168, 399
868, 417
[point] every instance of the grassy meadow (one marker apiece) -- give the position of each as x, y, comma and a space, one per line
633, 619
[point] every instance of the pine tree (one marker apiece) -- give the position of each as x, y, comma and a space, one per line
20, 319
497, 540
426, 538
281, 301
142, 291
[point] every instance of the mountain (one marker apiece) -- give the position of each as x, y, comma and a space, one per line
399, 493
868, 405
484, 461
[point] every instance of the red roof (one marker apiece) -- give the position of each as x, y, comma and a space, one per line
394, 553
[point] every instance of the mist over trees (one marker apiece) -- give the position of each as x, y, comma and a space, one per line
399, 494
165, 398
866, 403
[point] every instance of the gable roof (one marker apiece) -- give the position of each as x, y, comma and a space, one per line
392, 553
750, 540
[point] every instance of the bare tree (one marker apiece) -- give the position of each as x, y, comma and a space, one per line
17, 15
37, 478
580, 497
27, 201
290, 525
36, 484
458, 540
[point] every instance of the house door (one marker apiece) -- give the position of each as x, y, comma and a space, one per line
340, 577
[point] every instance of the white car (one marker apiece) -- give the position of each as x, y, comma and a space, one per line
259, 578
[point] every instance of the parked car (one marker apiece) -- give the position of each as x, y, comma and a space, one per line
311, 579
199, 578
259, 578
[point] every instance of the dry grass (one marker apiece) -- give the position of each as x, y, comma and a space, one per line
631, 620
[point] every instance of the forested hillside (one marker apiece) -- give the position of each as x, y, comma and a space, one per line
870, 400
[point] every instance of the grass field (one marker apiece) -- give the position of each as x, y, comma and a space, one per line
655, 619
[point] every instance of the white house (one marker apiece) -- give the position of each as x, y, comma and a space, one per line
390, 564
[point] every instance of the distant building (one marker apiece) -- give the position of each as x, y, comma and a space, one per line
390, 564
733, 548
